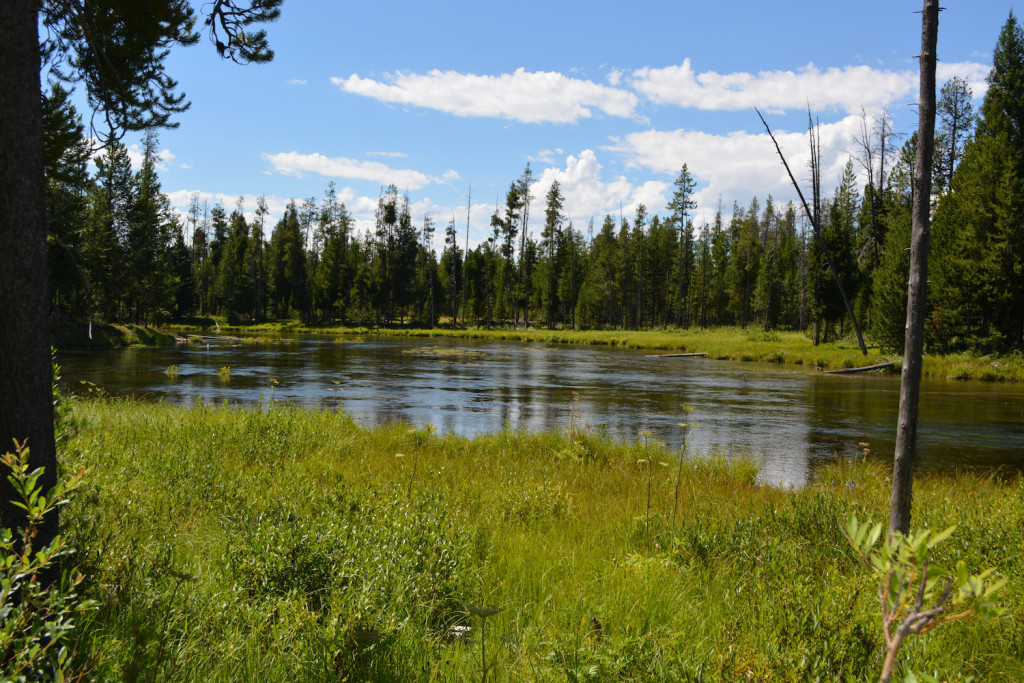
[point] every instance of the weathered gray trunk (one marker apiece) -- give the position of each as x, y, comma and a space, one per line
26, 404
910, 385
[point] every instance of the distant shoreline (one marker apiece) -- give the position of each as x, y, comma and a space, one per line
719, 343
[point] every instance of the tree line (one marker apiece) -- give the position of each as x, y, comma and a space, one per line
119, 252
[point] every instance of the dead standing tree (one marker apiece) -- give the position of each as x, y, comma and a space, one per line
812, 216
917, 292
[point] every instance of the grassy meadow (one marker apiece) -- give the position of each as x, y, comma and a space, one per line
722, 343
284, 544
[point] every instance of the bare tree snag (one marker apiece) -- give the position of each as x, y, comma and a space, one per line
910, 383
813, 218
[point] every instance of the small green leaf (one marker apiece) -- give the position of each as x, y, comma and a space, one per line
876, 531
941, 536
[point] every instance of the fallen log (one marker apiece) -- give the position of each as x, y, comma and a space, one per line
866, 368
676, 355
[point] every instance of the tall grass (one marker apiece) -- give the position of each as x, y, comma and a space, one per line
287, 544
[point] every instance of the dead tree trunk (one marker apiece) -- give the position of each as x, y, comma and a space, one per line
910, 384
813, 218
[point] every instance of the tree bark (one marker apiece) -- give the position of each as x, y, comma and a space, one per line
26, 373
910, 384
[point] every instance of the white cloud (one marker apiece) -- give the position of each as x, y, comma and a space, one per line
739, 165
848, 88
526, 96
388, 155
588, 195
546, 156
450, 176
296, 164
136, 156
297, 81
972, 72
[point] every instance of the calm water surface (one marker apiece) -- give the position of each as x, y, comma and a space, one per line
789, 418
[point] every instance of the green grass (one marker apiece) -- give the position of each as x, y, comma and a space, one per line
285, 544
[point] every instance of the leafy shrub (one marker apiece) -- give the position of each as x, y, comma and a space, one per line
36, 620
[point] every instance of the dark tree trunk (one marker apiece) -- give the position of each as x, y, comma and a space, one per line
26, 402
910, 384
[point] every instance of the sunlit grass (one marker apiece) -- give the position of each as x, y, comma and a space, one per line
289, 544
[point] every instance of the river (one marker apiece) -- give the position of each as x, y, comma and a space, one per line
789, 418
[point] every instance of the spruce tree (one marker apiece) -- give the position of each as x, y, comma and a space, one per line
979, 226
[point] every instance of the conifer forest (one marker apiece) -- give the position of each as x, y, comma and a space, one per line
118, 252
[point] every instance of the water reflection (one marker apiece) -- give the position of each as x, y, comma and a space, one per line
788, 418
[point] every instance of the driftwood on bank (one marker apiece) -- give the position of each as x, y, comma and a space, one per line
866, 368
208, 340
676, 355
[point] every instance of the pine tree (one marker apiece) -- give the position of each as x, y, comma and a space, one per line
332, 278
104, 243
979, 226
551, 239
287, 283
680, 206
744, 261
450, 268
65, 154
889, 287
955, 114
233, 290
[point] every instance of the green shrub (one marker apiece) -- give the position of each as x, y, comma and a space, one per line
36, 620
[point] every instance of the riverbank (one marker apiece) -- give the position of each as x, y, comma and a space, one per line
66, 334
288, 544
722, 343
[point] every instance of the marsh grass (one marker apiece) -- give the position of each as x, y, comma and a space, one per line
288, 544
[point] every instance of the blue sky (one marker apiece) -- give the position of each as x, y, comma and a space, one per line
609, 98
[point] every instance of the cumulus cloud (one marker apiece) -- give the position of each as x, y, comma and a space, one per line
847, 88
972, 72
545, 156
526, 96
739, 165
296, 164
136, 156
449, 176
588, 195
